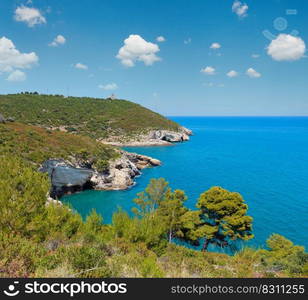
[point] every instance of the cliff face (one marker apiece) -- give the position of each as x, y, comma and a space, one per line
67, 177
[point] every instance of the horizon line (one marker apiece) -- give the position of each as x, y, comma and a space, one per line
239, 116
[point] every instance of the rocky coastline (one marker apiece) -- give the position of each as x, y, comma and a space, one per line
69, 177
151, 138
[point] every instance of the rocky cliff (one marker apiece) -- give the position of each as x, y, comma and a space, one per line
69, 177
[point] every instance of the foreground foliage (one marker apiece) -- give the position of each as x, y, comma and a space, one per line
53, 241
97, 118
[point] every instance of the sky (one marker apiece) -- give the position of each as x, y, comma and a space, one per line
177, 57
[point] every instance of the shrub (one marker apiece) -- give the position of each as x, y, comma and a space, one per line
22, 197
101, 165
88, 261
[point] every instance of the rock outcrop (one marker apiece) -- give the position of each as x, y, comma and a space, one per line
67, 177
10, 119
51, 201
187, 131
4, 120
169, 136
153, 138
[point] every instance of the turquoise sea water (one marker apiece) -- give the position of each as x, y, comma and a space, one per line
263, 158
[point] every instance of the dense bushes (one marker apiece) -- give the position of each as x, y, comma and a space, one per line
284, 255
22, 197
52, 240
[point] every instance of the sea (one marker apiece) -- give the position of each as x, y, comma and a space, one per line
265, 159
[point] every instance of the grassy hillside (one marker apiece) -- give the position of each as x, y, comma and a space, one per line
97, 118
35, 144
52, 241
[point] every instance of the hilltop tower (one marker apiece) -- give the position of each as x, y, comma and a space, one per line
112, 97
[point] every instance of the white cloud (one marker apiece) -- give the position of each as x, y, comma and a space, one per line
255, 55
215, 46
81, 66
240, 8
252, 73
109, 86
160, 39
232, 73
208, 70
29, 15
188, 41
58, 40
286, 47
137, 49
17, 75
12, 59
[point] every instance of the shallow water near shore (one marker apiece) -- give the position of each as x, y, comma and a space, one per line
263, 158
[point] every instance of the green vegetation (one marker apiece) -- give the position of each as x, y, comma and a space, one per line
97, 118
36, 145
53, 241
221, 218
224, 217
40, 240
22, 197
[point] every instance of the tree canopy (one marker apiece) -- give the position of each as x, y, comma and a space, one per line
224, 218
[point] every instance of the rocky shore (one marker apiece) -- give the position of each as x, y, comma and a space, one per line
69, 177
152, 138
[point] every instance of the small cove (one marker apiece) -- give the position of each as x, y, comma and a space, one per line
263, 158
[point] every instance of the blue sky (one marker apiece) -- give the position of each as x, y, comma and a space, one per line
179, 74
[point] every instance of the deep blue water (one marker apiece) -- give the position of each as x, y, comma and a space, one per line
263, 158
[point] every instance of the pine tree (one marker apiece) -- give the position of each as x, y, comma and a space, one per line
149, 200
171, 210
224, 218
